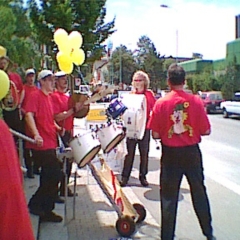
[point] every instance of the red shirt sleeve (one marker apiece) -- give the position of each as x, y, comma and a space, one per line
31, 104
55, 103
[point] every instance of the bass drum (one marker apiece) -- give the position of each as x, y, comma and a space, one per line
135, 116
84, 148
79, 97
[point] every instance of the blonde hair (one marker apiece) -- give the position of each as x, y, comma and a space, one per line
144, 76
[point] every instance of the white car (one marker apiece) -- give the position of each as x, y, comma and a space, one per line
231, 107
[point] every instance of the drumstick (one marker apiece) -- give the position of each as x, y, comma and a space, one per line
24, 137
99, 95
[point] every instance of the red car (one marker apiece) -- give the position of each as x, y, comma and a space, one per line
211, 101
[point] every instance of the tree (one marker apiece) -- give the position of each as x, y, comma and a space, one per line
231, 79
122, 59
16, 35
151, 62
87, 17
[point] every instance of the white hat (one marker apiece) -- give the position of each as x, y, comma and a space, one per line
60, 74
44, 73
30, 71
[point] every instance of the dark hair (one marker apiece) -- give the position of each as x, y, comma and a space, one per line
176, 74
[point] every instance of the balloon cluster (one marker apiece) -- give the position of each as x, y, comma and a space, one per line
70, 51
4, 84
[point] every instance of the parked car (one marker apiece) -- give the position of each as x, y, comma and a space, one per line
232, 106
212, 101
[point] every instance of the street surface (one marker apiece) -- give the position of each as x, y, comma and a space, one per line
222, 171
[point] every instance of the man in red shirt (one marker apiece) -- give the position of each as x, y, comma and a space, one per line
15, 221
12, 102
179, 120
64, 116
28, 88
40, 121
140, 84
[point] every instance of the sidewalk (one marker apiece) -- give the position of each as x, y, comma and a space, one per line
95, 217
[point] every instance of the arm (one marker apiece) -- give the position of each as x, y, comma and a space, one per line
155, 135
29, 118
207, 132
63, 115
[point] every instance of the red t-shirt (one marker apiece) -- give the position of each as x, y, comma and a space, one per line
41, 105
180, 119
14, 220
17, 80
28, 90
150, 101
15, 88
60, 104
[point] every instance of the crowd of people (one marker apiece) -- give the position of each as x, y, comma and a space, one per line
44, 115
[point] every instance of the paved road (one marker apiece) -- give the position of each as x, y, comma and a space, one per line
222, 170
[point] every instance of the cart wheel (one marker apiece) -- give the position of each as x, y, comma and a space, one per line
125, 226
141, 211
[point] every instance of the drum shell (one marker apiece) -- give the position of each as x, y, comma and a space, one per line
116, 108
135, 116
79, 97
85, 148
109, 136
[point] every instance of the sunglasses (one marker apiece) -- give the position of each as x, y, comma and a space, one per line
138, 80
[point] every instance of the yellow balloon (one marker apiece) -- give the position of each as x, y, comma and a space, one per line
75, 39
60, 36
63, 58
65, 48
78, 56
3, 51
66, 67
4, 84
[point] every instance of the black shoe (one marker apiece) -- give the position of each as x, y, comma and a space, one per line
51, 217
70, 193
36, 171
37, 212
30, 174
58, 199
211, 238
144, 182
123, 182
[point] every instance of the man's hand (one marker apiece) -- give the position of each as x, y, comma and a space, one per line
39, 141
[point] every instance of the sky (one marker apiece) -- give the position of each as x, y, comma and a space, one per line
183, 28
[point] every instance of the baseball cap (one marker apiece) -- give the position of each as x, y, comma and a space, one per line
44, 73
60, 74
29, 71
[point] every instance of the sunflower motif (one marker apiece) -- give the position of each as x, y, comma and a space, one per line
186, 104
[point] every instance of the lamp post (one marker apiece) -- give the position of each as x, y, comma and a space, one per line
120, 66
166, 6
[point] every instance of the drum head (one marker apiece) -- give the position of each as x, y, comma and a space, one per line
114, 142
89, 157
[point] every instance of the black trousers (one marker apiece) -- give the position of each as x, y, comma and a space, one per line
44, 197
176, 162
143, 145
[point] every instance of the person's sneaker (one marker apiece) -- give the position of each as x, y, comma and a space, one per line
123, 182
143, 182
51, 217
58, 199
